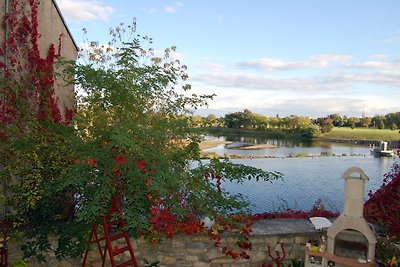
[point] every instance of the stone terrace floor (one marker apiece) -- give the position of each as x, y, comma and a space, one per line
283, 227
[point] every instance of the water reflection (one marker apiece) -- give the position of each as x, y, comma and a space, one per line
285, 147
306, 179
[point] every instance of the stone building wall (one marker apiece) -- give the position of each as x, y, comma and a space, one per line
51, 27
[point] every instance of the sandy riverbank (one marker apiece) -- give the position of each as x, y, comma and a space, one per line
205, 144
253, 147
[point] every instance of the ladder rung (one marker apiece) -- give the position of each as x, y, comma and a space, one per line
120, 250
118, 236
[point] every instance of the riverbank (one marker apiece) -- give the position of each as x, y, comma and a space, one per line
358, 136
213, 155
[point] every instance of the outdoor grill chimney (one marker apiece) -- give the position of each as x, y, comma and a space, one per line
352, 216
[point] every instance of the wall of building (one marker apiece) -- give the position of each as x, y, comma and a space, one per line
51, 26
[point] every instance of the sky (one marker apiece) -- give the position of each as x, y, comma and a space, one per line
283, 57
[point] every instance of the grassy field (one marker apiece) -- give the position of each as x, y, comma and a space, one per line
345, 133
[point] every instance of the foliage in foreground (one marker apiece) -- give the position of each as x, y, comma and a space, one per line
130, 138
383, 206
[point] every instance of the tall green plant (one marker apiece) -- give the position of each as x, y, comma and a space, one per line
131, 138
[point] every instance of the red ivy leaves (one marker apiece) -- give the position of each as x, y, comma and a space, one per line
383, 206
29, 88
213, 175
165, 222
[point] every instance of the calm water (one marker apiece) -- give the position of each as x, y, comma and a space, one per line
306, 179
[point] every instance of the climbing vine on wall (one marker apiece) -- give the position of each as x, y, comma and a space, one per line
27, 78
34, 138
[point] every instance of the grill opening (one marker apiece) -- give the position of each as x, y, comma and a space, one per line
351, 244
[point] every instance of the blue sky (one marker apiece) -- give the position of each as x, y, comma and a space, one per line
303, 57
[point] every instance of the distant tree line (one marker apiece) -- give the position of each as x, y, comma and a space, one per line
388, 121
293, 124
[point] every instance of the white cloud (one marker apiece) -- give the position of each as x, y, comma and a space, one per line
378, 57
273, 83
176, 7
84, 10
273, 64
332, 82
170, 9
372, 64
313, 106
343, 78
348, 89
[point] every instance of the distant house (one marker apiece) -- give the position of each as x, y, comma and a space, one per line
51, 26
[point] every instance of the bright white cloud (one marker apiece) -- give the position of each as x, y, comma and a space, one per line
383, 65
273, 64
84, 10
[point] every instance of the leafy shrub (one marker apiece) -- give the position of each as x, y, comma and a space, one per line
383, 206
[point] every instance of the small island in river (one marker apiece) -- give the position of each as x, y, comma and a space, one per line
248, 146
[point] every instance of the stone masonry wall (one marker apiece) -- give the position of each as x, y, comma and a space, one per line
199, 251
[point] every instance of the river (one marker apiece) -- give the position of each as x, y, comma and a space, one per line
306, 179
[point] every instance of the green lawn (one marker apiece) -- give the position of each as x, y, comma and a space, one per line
346, 133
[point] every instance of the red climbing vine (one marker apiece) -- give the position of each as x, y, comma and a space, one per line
27, 77
383, 206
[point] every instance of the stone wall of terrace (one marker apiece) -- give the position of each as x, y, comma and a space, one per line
199, 251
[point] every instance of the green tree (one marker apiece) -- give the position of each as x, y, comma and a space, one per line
132, 138
260, 122
197, 121
233, 120
248, 119
336, 120
366, 121
326, 124
353, 121
313, 131
240, 120
393, 118
212, 120
379, 121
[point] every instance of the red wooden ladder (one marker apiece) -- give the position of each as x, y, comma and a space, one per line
5, 228
111, 232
